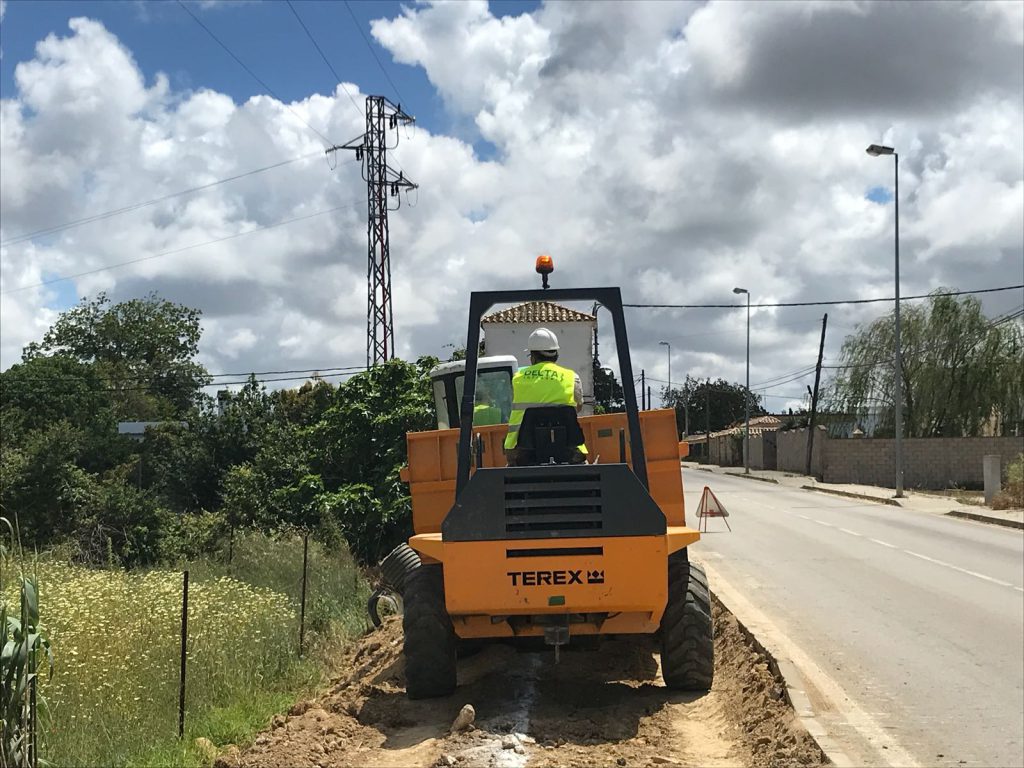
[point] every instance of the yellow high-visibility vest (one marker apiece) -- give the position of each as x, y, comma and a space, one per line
484, 415
539, 385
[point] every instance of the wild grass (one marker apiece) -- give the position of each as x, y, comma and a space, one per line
115, 636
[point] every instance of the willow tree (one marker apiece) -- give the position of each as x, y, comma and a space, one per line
962, 371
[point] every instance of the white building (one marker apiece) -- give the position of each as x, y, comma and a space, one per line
507, 331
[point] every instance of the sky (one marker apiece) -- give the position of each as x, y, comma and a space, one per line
674, 149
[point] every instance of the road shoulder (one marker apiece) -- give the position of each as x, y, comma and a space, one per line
844, 731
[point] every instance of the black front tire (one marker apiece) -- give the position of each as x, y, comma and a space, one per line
430, 642
687, 635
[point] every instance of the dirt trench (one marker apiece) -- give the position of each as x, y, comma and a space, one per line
604, 706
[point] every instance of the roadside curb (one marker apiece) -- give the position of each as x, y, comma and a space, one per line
820, 704
850, 495
785, 671
1017, 524
752, 477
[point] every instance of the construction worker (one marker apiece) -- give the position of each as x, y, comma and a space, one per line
543, 382
486, 410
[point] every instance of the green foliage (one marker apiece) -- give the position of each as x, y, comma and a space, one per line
144, 349
23, 641
113, 698
120, 524
714, 405
361, 448
176, 464
961, 372
41, 482
1012, 495
322, 459
608, 397
187, 537
305, 406
37, 394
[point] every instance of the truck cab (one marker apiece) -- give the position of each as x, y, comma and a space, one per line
493, 403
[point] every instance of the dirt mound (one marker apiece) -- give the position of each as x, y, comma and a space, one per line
601, 705
755, 697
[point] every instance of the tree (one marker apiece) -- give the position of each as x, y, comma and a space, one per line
39, 393
41, 485
144, 349
726, 403
961, 371
304, 406
608, 397
361, 442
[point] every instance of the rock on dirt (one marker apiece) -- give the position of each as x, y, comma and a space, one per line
464, 719
207, 749
603, 706
228, 758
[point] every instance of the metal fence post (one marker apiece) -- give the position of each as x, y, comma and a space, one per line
184, 649
302, 606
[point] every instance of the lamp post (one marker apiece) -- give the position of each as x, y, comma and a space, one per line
877, 150
746, 395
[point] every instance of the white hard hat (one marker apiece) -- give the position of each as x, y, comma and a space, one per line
542, 340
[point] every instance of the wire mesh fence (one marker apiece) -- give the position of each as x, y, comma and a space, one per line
134, 672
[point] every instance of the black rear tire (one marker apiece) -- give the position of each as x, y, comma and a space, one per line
430, 643
395, 568
687, 636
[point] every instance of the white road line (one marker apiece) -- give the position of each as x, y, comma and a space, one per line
852, 533
802, 517
822, 522
1019, 589
807, 675
958, 568
884, 543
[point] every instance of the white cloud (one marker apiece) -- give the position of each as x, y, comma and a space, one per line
630, 145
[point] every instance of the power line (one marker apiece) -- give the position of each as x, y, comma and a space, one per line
324, 57
136, 206
797, 374
145, 379
300, 370
253, 75
373, 52
823, 303
178, 250
71, 380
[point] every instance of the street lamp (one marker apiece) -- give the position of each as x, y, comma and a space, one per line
876, 150
746, 398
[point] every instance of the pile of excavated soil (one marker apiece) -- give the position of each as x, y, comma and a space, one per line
605, 706
756, 699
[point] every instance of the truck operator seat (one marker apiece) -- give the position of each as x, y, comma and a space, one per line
548, 435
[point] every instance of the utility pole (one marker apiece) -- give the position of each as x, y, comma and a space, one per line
707, 421
814, 396
643, 389
381, 181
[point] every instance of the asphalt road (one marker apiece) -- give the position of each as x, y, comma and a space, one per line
919, 618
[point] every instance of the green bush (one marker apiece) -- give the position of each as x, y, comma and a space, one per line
1012, 495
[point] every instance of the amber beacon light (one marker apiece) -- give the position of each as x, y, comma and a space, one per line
545, 266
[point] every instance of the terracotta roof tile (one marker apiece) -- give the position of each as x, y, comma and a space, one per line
539, 312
